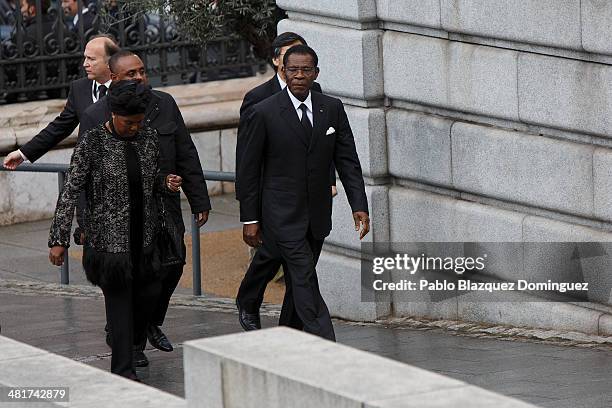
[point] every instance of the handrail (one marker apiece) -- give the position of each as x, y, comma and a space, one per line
62, 169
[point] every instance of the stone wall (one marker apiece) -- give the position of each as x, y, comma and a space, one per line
210, 110
474, 121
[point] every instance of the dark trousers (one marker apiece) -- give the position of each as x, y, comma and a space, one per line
168, 285
128, 311
303, 305
263, 268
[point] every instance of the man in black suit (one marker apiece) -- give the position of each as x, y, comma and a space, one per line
293, 137
83, 92
267, 259
178, 156
274, 85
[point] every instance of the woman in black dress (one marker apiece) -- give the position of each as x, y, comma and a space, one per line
116, 163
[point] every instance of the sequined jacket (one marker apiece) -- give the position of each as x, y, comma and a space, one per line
98, 166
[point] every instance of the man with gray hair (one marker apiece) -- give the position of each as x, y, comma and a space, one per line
83, 92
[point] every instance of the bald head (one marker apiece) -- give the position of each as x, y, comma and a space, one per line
97, 53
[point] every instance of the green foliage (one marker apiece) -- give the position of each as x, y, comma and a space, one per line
205, 20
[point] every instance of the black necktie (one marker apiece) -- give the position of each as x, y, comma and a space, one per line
101, 91
306, 122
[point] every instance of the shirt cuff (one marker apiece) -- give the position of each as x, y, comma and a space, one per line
23, 155
250, 222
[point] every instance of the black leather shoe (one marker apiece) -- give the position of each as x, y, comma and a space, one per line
139, 358
158, 339
248, 321
134, 377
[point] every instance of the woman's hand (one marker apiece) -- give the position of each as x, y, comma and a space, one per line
173, 182
56, 255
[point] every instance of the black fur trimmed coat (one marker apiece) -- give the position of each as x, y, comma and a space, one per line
98, 166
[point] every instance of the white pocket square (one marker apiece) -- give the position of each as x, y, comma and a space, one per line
330, 131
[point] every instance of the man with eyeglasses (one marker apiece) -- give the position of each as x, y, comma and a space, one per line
292, 139
267, 260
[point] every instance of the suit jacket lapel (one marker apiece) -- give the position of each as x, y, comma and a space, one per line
319, 117
288, 113
90, 85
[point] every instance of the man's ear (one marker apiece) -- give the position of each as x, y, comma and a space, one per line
276, 61
316, 75
114, 77
32, 11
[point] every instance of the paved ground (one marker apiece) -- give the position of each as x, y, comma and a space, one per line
547, 375
69, 321
24, 251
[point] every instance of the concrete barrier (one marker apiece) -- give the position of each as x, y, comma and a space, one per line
281, 367
22, 365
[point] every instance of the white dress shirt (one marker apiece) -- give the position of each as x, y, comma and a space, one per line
94, 87
297, 103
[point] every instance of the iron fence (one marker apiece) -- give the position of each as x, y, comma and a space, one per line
41, 47
62, 169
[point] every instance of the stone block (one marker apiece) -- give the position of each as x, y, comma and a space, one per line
602, 184
422, 304
424, 13
596, 18
419, 147
212, 116
228, 156
341, 286
5, 198
343, 232
605, 325
8, 140
12, 349
419, 216
518, 167
563, 93
586, 257
203, 378
493, 231
208, 145
264, 363
349, 68
360, 10
450, 74
369, 131
553, 23
34, 195
468, 396
88, 386
484, 223
539, 229
522, 310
